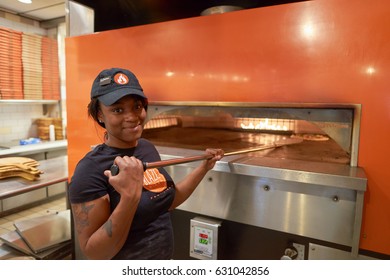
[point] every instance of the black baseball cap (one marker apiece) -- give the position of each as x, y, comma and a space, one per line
113, 84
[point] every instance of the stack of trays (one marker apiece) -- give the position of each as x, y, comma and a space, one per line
19, 167
57, 122
43, 128
45, 237
50, 69
11, 86
32, 66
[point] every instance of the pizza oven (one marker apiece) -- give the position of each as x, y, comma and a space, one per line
305, 196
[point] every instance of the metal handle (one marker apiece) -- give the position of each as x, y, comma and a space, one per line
162, 163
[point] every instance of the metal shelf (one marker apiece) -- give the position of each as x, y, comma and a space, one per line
24, 101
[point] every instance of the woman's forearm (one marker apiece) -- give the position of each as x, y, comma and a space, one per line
106, 241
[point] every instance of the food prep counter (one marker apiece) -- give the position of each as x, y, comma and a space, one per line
16, 192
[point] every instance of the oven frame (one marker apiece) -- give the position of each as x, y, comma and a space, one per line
331, 176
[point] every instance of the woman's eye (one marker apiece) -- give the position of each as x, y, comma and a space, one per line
117, 110
138, 106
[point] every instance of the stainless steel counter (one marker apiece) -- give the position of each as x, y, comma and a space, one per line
17, 193
54, 171
12, 149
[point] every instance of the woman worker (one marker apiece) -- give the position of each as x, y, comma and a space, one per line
126, 216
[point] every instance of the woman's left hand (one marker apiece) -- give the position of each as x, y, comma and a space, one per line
217, 155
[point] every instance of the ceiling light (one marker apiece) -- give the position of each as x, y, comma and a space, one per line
220, 10
25, 1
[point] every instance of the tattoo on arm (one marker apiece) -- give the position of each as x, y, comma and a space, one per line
82, 216
82, 220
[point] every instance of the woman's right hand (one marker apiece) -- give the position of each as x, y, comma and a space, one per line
129, 181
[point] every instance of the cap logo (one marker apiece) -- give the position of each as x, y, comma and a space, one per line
105, 81
121, 79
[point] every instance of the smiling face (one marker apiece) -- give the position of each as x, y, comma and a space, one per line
124, 121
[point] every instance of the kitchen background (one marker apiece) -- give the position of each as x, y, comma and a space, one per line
18, 117
368, 87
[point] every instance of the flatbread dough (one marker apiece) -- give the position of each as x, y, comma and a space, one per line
311, 137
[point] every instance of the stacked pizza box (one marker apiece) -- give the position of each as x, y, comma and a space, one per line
32, 66
11, 86
50, 69
29, 66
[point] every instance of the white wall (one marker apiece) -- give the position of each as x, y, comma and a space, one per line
16, 121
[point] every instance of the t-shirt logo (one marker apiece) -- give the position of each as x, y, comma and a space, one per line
121, 79
154, 181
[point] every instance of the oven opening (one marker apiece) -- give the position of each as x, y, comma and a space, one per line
326, 132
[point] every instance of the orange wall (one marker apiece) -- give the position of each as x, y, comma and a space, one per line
316, 51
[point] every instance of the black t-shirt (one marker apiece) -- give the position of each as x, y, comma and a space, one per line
151, 234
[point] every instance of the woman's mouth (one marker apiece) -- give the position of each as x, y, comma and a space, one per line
132, 127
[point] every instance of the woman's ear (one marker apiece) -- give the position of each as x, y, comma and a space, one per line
100, 117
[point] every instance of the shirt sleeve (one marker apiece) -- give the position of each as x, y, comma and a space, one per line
88, 182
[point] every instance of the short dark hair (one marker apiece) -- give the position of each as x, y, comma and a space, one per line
93, 111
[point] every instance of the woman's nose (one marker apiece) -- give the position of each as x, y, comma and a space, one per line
131, 114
